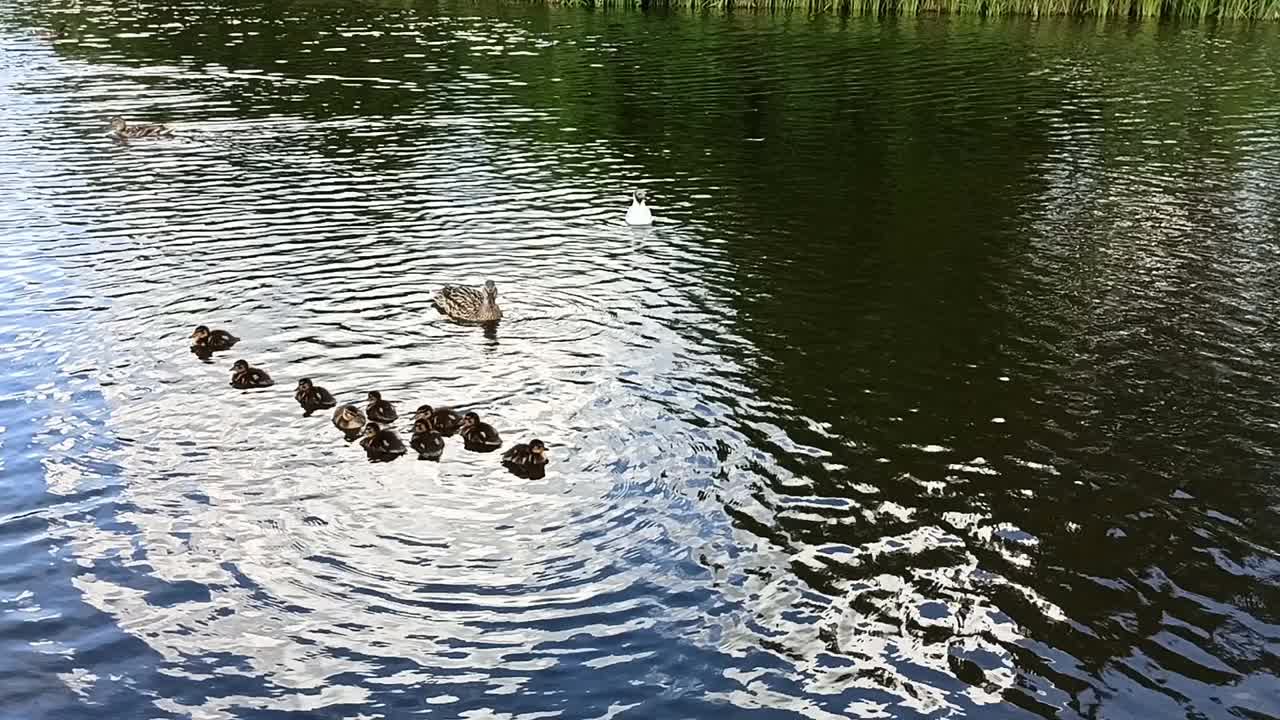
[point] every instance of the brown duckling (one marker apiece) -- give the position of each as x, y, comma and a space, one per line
349, 420
534, 453
442, 420
379, 410
479, 436
312, 397
244, 377
124, 131
212, 340
381, 444
428, 442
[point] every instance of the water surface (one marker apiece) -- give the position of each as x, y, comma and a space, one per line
943, 387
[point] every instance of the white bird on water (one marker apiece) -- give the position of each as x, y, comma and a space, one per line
638, 213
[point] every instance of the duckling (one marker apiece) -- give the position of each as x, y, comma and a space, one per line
442, 420
638, 213
312, 397
349, 420
428, 442
381, 444
212, 340
380, 410
479, 436
59, 32
468, 304
125, 131
535, 453
244, 377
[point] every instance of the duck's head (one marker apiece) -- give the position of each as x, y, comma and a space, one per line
424, 410
421, 426
200, 333
490, 289
118, 124
240, 366
537, 448
372, 429
470, 420
304, 384
640, 196
374, 396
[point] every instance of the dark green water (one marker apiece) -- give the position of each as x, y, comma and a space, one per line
944, 386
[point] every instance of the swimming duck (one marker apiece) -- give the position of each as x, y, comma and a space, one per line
124, 130
428, 442
212, 340
638, 213
57, 33
468, 304
379, 410
313, 398
442, 420
244, 377
349, 420
381, 444
479, 436
535, 453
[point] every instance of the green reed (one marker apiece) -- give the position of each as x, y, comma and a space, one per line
1188, 9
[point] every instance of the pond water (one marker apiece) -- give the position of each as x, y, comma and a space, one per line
943, 386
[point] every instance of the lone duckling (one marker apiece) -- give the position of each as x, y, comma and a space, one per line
534, 453
468, 304
312, 397
381, 445
479, 436
526, 461
212, 340
442, 420
244, 377
379, 410
125, 131
428, 442
349, 420
638, 213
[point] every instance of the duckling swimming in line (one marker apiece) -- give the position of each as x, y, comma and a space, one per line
349, 420
442, 420
312, 397
535, 453
381, 444
428, 442
244, 377
479, 436
468, 304
638, 213
379, 410
212, 340
125, 131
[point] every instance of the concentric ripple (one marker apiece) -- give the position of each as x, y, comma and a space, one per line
943, 387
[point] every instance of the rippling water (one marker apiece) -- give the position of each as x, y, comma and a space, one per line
945, 385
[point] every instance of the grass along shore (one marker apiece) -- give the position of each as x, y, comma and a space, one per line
1120, 9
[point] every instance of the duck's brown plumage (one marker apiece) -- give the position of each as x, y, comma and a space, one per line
442, 420
313, 397
477, 435
212, 340
468, 304
379, 410
532, 453
124, 130
381, 443
243, 376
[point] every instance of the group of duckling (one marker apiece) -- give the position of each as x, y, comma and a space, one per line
372, 425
